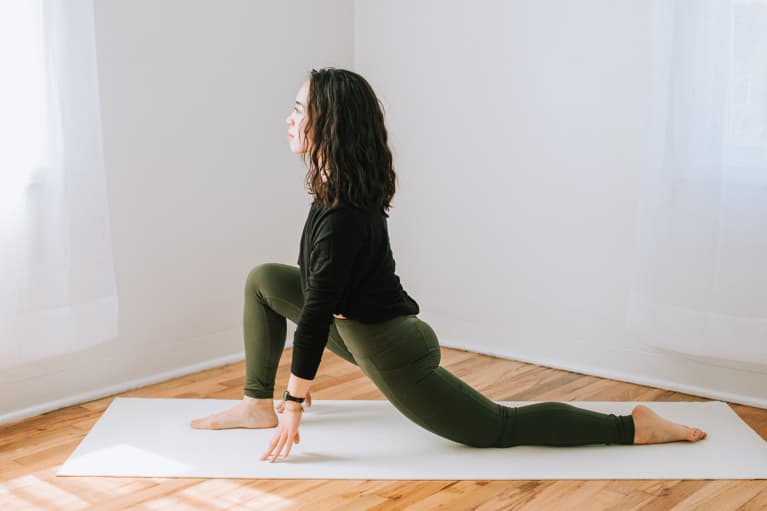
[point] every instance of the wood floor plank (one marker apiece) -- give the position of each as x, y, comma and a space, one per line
758, 501
31, 450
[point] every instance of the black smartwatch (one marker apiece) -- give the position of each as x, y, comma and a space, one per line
287, 397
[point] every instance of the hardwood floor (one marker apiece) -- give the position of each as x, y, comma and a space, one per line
31, 451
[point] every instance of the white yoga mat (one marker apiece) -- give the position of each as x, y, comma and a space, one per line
357, 439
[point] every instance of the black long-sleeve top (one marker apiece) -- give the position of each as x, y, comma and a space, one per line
347, 268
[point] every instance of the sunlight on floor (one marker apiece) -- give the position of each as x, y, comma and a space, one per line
32, 492
223, 494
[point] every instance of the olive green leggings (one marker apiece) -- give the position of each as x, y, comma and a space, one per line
402, 357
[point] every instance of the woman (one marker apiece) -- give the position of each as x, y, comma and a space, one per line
345, 294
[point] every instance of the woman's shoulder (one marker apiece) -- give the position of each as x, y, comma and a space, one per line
346, 209
345, 218
340, 214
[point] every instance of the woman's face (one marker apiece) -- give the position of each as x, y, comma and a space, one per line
297, 120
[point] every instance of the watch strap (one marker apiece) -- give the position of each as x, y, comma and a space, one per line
287, 397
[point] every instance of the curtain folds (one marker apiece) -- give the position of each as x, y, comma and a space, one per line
701, 287
57, 284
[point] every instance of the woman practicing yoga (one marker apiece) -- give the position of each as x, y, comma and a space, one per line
345, 294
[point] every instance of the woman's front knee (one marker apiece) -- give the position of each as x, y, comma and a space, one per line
259, 276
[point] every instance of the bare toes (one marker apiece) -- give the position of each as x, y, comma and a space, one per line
696, 434
197, 423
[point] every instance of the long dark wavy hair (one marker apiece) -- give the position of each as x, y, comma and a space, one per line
347, 139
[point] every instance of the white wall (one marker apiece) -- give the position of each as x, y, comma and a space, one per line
517, 129
520, 132
202, 183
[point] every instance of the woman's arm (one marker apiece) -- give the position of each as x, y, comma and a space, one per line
298, 387
328, 263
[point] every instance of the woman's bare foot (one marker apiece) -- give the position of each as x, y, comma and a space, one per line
651, 428
250, 413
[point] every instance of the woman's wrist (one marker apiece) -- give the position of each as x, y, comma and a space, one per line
294, 406
298, 387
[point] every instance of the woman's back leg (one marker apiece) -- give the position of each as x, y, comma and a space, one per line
404, 362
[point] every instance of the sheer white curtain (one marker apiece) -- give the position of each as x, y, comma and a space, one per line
57, 284
701, 282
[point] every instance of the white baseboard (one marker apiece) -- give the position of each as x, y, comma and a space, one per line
748, 394
611, 364
116, 389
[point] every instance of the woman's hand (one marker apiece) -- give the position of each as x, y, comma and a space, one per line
289, 415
